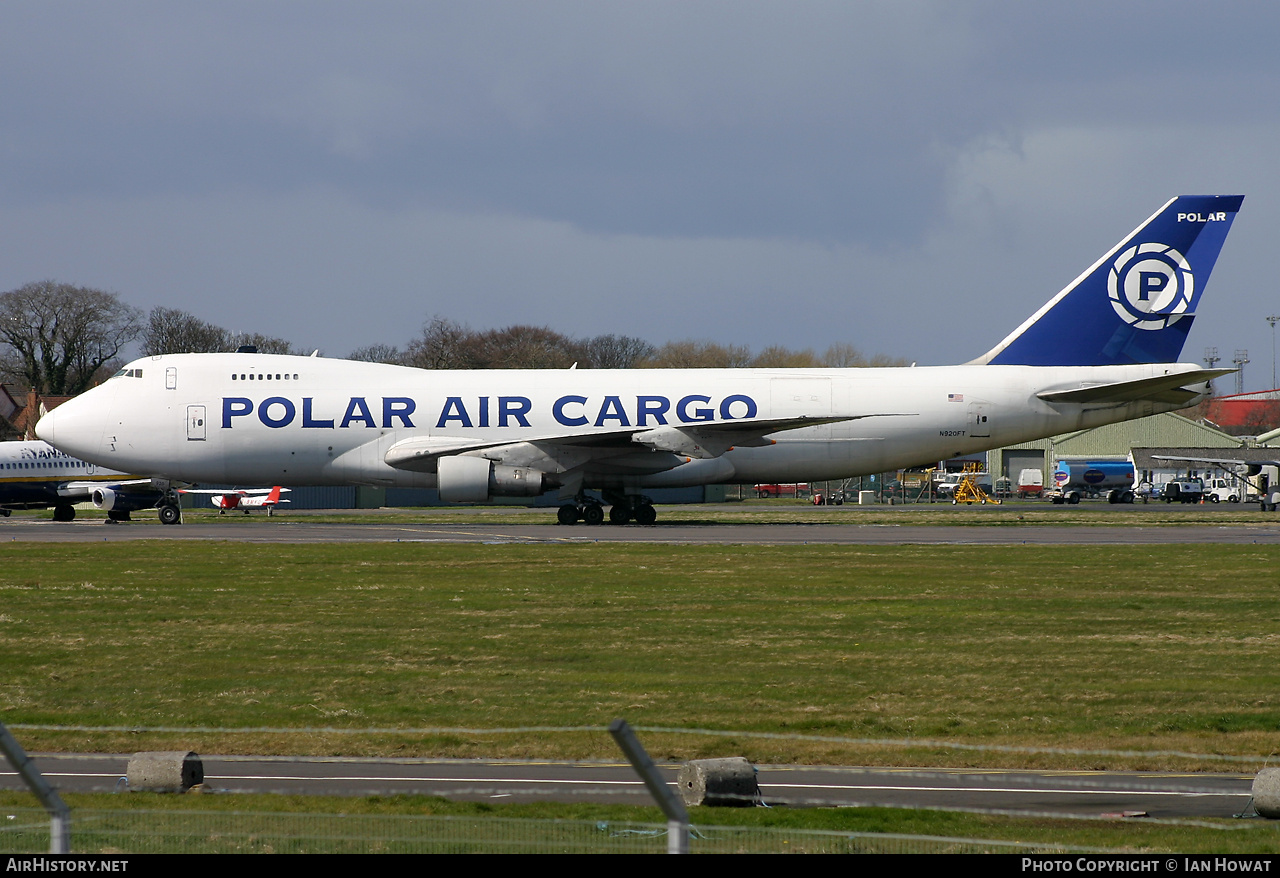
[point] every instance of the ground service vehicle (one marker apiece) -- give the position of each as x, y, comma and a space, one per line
1075, 480
1183, 491
1218, 490
1030, 483
1259, 476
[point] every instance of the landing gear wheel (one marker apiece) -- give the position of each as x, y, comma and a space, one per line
592, 514
64, 513
567, 514
646, 514
619, 514
117, 515
170, 514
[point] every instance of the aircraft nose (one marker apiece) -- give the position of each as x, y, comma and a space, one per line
75, 427
46, 428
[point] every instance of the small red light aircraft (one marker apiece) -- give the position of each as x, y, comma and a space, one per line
245, 499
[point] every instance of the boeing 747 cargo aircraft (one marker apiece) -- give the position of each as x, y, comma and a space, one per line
1102, 350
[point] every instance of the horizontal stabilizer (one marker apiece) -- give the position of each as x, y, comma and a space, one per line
1171, 389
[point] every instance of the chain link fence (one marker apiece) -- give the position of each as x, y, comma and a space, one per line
26, 830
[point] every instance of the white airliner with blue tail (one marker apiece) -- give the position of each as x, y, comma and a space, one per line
1103, 350
34, 475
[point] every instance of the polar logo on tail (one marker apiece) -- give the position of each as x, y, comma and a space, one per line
1150, 286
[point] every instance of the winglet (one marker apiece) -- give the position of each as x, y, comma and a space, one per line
1135, 304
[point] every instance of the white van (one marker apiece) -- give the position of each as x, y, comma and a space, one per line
1230, 490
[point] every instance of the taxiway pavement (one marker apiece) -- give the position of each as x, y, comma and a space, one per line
1085, 793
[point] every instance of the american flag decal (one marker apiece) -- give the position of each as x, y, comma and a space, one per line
955, 397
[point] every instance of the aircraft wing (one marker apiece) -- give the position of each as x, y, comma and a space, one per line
1162, 389
85, 488
703, 439
1221, 461
240, 492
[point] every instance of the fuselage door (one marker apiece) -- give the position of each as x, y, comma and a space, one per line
978, 425
800, 397
171, 378
195, 423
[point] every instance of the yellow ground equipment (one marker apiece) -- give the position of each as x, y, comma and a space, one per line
968, 491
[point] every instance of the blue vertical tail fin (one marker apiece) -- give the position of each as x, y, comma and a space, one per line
1135, 304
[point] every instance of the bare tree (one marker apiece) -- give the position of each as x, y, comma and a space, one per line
843, 355
442, 345
522, 347
445, 344
265, 344
170, 331
56, 337
378, 353
779, 357
614, 352
699, 355
884, 361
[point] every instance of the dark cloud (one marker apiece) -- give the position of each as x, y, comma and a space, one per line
602, 166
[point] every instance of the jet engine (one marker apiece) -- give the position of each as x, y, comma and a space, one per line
475, 480
113, 501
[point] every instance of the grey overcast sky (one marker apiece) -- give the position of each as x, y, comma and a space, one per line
914, 178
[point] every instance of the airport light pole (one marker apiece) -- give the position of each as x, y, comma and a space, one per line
1240, 360
1211, 359
1273, 320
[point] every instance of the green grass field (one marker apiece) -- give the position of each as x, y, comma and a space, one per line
1088, 648
1012, 513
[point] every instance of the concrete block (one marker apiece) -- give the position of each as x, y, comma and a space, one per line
719, 782
1266, 793
172, 771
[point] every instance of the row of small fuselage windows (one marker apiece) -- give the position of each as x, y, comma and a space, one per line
251, 376
44, 464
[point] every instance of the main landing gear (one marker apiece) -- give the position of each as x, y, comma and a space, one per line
625, 508
170, 508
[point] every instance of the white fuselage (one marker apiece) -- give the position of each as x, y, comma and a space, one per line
263, 419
